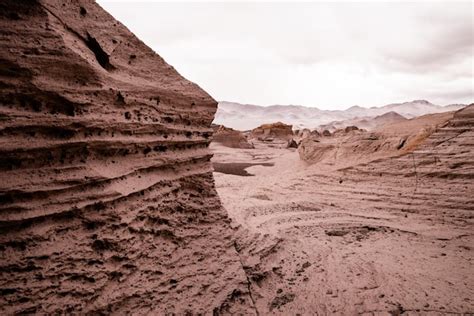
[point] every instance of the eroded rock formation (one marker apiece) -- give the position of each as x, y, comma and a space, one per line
370, 237
107, 201
351, 145
230, 137
277, 130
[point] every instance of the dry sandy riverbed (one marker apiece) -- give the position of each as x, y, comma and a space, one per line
347, 242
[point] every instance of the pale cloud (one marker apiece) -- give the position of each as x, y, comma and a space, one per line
325, 54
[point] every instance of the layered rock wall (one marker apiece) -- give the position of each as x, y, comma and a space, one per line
350, 146
107, 201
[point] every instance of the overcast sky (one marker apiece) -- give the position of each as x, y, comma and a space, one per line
330, 55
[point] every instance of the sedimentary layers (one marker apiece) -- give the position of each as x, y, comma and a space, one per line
388, 236
352, 146
107, 201
445, 154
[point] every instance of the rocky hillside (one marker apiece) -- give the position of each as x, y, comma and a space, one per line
248, 116
107, 201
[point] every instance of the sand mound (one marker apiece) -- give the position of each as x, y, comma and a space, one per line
107, 202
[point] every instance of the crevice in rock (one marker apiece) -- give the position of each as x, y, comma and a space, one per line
402, 143
100, 55
249, 284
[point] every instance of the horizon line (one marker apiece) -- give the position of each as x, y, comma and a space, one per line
356, 105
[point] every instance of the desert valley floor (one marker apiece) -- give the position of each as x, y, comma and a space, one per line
388, 236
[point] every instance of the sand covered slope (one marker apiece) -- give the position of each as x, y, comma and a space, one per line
387, 237
107, 202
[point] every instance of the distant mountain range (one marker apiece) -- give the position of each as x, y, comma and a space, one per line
366, 122
248, 116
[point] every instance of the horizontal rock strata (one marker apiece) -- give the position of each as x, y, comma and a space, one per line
107, 201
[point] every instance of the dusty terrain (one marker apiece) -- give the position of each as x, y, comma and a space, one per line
390, 236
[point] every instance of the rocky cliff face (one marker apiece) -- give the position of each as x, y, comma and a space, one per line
107, 201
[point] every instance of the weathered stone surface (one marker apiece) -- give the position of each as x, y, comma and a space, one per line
107, 201
351, 145
230, 137
276, 130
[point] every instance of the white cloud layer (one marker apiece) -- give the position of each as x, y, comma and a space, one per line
326, 54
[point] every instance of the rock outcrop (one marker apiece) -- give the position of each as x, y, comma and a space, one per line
326, 133
230, 137
276, 130
303, 133
107, 201
351, 145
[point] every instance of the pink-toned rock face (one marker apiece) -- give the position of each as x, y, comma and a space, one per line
231, 138
107, 201
350, 146
275, 130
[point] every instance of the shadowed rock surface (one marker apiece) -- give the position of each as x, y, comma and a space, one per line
107, 201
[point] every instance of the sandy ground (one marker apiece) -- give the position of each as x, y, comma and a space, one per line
371, 240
